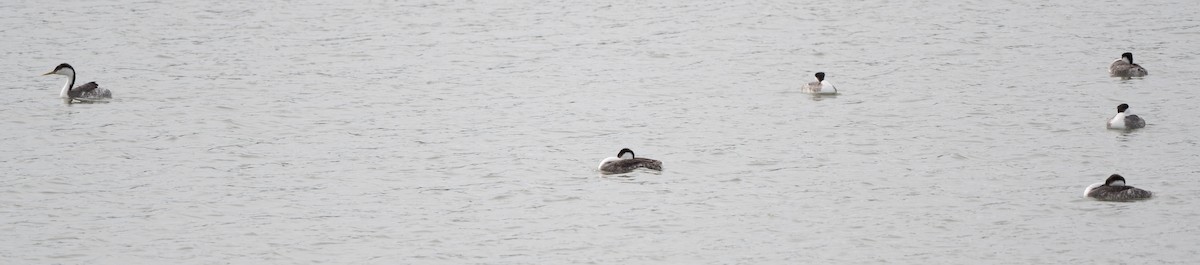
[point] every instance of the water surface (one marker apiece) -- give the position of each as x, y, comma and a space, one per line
460, 132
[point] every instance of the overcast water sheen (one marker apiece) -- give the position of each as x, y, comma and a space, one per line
464, 132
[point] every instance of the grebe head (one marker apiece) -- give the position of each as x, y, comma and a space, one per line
1115, 180
1121, 108
820, 76
625, 152
62, 69
1128, 57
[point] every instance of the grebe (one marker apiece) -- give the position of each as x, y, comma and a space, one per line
1124, 67
84, 92
820, 86
1114, 189
625, 162
1124, 120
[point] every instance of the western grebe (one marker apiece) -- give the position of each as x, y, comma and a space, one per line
1114, 189
82, 92
820, 86
625, 161
1124, 67
1124, 120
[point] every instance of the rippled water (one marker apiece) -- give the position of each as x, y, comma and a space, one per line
459, 132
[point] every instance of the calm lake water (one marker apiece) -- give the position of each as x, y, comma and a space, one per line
463, 132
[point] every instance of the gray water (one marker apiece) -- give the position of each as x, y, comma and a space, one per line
463, 132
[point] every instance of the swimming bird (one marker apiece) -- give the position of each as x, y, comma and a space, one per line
1124, 67
1124, 120
82, 92
625, 162
820, 86
1114, 189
